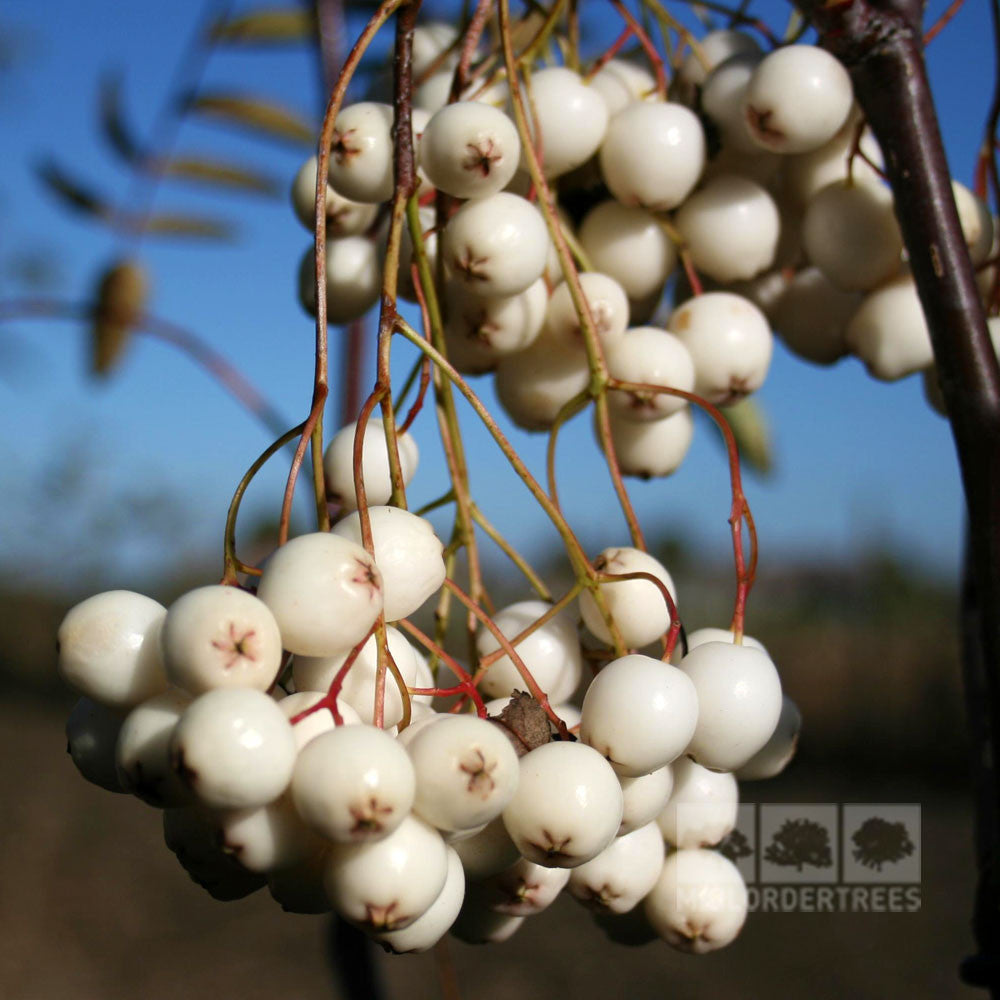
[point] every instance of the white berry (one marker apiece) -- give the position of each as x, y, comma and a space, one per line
653, 155
385, 885
220, 636
699, 903
407, 553
639, 714
625, 871
569, 118
739, 699
466, 772
338, 464
798, 98
551, 653
324, 591
353, 784
496, 245
567, 807
730, 342
109, 648
470, 150
702, 808
731, 228
637, 606
629, 245
233, 748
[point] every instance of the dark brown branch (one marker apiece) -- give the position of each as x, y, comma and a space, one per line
879, 41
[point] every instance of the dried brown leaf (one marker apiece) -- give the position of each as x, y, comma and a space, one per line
195, 226
524, 722
114, 128
262, 116
268, 26
214, 172
119, 303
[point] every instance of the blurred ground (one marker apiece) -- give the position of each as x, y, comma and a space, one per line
94, 907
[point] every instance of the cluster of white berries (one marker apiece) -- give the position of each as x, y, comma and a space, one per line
788, 224
265, 724
241, 718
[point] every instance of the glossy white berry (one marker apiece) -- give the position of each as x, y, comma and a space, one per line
645, 797
805, 174
798, 98
639, 714
432, 41
268, 837
476, 924
220, 636
699, 903
353, 784
551, 653
651, 448
324, 591
353, 278
233, 748
109, 648
407, 553
385, 885
625, 871
731, 228
702, 809
361, 152
730, 341
713, 49
421, 715
338, 464
318, 722
343, 216
976, 221
91, 736
653, 155
142, 753
608, 305
496, 245
567, 118
482, 329
567, 807
433, 924
649, 355
487, 852
470, 150
466, 772
637, 606
722, 99
811, 316
621, 82
358, 691
851, 234
533, 385
775, 755
739, 701
889, 332
521, 890
629, 245
713, 634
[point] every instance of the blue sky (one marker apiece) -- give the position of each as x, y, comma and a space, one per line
859, 464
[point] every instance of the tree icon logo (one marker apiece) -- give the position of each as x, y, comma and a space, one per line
800, 842
735, 846
878, 842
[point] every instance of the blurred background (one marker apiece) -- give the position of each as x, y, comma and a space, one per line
124, 481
